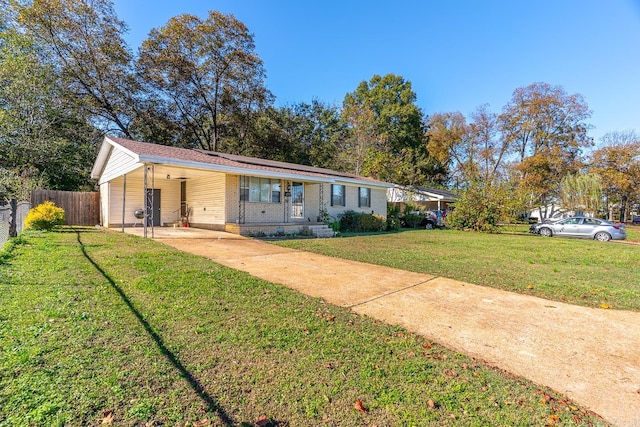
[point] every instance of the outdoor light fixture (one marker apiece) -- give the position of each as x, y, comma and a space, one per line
168, 176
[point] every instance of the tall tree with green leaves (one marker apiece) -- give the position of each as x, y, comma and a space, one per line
302, 133
387, 131
207, 76
82, 41
41, 135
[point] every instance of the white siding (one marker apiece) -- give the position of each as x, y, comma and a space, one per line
206, 198
119, 163
169, 200
104, 204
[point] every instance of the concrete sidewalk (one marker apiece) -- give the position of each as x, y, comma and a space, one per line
590, 355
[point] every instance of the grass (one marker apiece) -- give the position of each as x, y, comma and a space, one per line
576, 271
104, 327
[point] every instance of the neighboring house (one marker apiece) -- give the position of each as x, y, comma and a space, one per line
219, 191
554, 212
428, 198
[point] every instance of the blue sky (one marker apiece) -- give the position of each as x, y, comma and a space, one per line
457, 54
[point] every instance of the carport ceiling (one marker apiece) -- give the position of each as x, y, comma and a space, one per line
163, 172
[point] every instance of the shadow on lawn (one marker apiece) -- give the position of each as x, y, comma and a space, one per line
193, 382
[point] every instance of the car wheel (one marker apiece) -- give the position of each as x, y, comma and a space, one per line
602, 236
429, 226
546, 232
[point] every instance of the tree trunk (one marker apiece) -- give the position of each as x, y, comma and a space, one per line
623, 208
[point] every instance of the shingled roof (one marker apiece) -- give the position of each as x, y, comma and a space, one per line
201, 159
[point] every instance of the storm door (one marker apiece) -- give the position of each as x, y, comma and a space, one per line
153, 204
297, 200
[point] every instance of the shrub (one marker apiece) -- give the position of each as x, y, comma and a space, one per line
411, 217
349, 221
393, 216
393, 224
371, 222
356, 222
44, 217
477, 210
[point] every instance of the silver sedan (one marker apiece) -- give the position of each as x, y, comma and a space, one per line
586, 227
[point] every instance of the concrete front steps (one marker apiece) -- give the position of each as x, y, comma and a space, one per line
320, 230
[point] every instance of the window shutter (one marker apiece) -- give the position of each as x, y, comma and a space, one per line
331, 194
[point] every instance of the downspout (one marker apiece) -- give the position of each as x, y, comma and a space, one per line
153, 186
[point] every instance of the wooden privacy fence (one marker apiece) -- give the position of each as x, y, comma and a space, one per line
80, 208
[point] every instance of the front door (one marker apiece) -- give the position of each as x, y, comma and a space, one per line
297, 200
153, 204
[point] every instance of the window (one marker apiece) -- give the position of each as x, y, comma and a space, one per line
364, 197
263, 190
337, 195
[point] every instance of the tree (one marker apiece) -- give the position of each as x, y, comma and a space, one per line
207, 76
362, 139
303, 133
491, 151
581, 192
19, 186
448, 139
40, 134
470, 151
617, 162
545, 128
82, 41
387, 133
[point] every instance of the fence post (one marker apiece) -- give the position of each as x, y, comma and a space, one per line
13, 230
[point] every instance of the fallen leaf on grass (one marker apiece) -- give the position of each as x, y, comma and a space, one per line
107, 417
431, 403
553, 418
427, 345
360, 407
262, 421
202, 423
450, 373
603, 305
529, 286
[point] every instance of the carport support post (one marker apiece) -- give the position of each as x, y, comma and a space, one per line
153, 186
146, 211
124, 197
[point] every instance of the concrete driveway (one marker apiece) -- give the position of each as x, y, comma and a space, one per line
590, 355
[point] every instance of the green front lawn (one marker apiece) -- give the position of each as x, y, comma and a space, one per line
577, 271
100, 327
